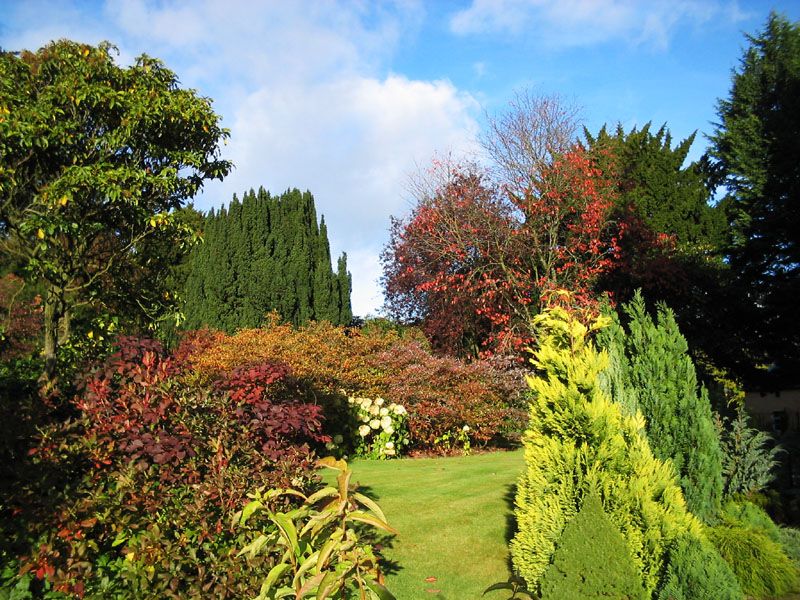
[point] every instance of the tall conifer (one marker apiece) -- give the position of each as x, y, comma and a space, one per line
264, 254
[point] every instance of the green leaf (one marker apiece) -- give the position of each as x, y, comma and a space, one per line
289, 531
370, 504
371, 520
503, 585
274, 575
254, 547
325, 492
249, 509
328, 585
380, 590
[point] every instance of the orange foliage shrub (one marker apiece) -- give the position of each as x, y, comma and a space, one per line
442, 394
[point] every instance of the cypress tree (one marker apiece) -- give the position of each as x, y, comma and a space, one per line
652, 356
264, 254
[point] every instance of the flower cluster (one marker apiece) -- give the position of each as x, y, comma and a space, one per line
382, 432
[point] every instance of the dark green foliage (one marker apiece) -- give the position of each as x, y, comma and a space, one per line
662, 384
591, 560
755, 146
264, 254
655, 187
760, 564
696, 571
749, 456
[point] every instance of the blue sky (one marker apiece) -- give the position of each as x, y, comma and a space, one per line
349, 99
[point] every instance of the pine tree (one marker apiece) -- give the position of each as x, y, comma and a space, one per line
756, 149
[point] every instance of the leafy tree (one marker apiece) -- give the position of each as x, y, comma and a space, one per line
756, 150
94, 159
264, 254
474, 262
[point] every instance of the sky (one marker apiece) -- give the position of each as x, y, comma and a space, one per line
350, 99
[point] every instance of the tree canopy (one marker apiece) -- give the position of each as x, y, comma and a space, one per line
94, 159
756, 150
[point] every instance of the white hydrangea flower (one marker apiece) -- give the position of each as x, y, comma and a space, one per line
375, 410
379, 401
365, 403
384, 411
400, 410
365, 418
364, 430
389, 445
386, 422
389, 430
375, 424
465, 428
389, 452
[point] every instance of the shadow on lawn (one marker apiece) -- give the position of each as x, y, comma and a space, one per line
511, 519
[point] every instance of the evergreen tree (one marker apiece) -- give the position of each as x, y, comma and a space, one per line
671, 236
654, 185
264, 254
757, 151
579, 442
592, 560
652, 357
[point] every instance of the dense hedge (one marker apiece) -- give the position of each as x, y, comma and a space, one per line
140, 487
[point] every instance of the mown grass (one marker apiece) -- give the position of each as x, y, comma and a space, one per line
454, 516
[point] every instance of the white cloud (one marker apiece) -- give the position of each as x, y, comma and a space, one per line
352, 143
566, 23
306, 91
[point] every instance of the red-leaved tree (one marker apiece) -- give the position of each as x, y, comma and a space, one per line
473, 264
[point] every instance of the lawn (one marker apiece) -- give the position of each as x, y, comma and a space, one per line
454, 518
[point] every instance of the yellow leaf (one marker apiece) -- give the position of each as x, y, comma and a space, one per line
40, 234
152, 222
90, 335
85, 52
63, 201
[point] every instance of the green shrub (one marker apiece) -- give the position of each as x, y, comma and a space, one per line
750, 456
747, 514
591, 560
579, 441
790, 542
760, 564
695, 570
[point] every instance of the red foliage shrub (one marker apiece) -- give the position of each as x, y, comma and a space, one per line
169, 461
441, 394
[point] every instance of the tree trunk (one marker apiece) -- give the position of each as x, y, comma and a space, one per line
53, 312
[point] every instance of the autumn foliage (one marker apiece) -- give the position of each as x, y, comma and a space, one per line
442, 394
474, 263
156, 466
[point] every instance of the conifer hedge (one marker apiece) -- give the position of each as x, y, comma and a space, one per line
262, 254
